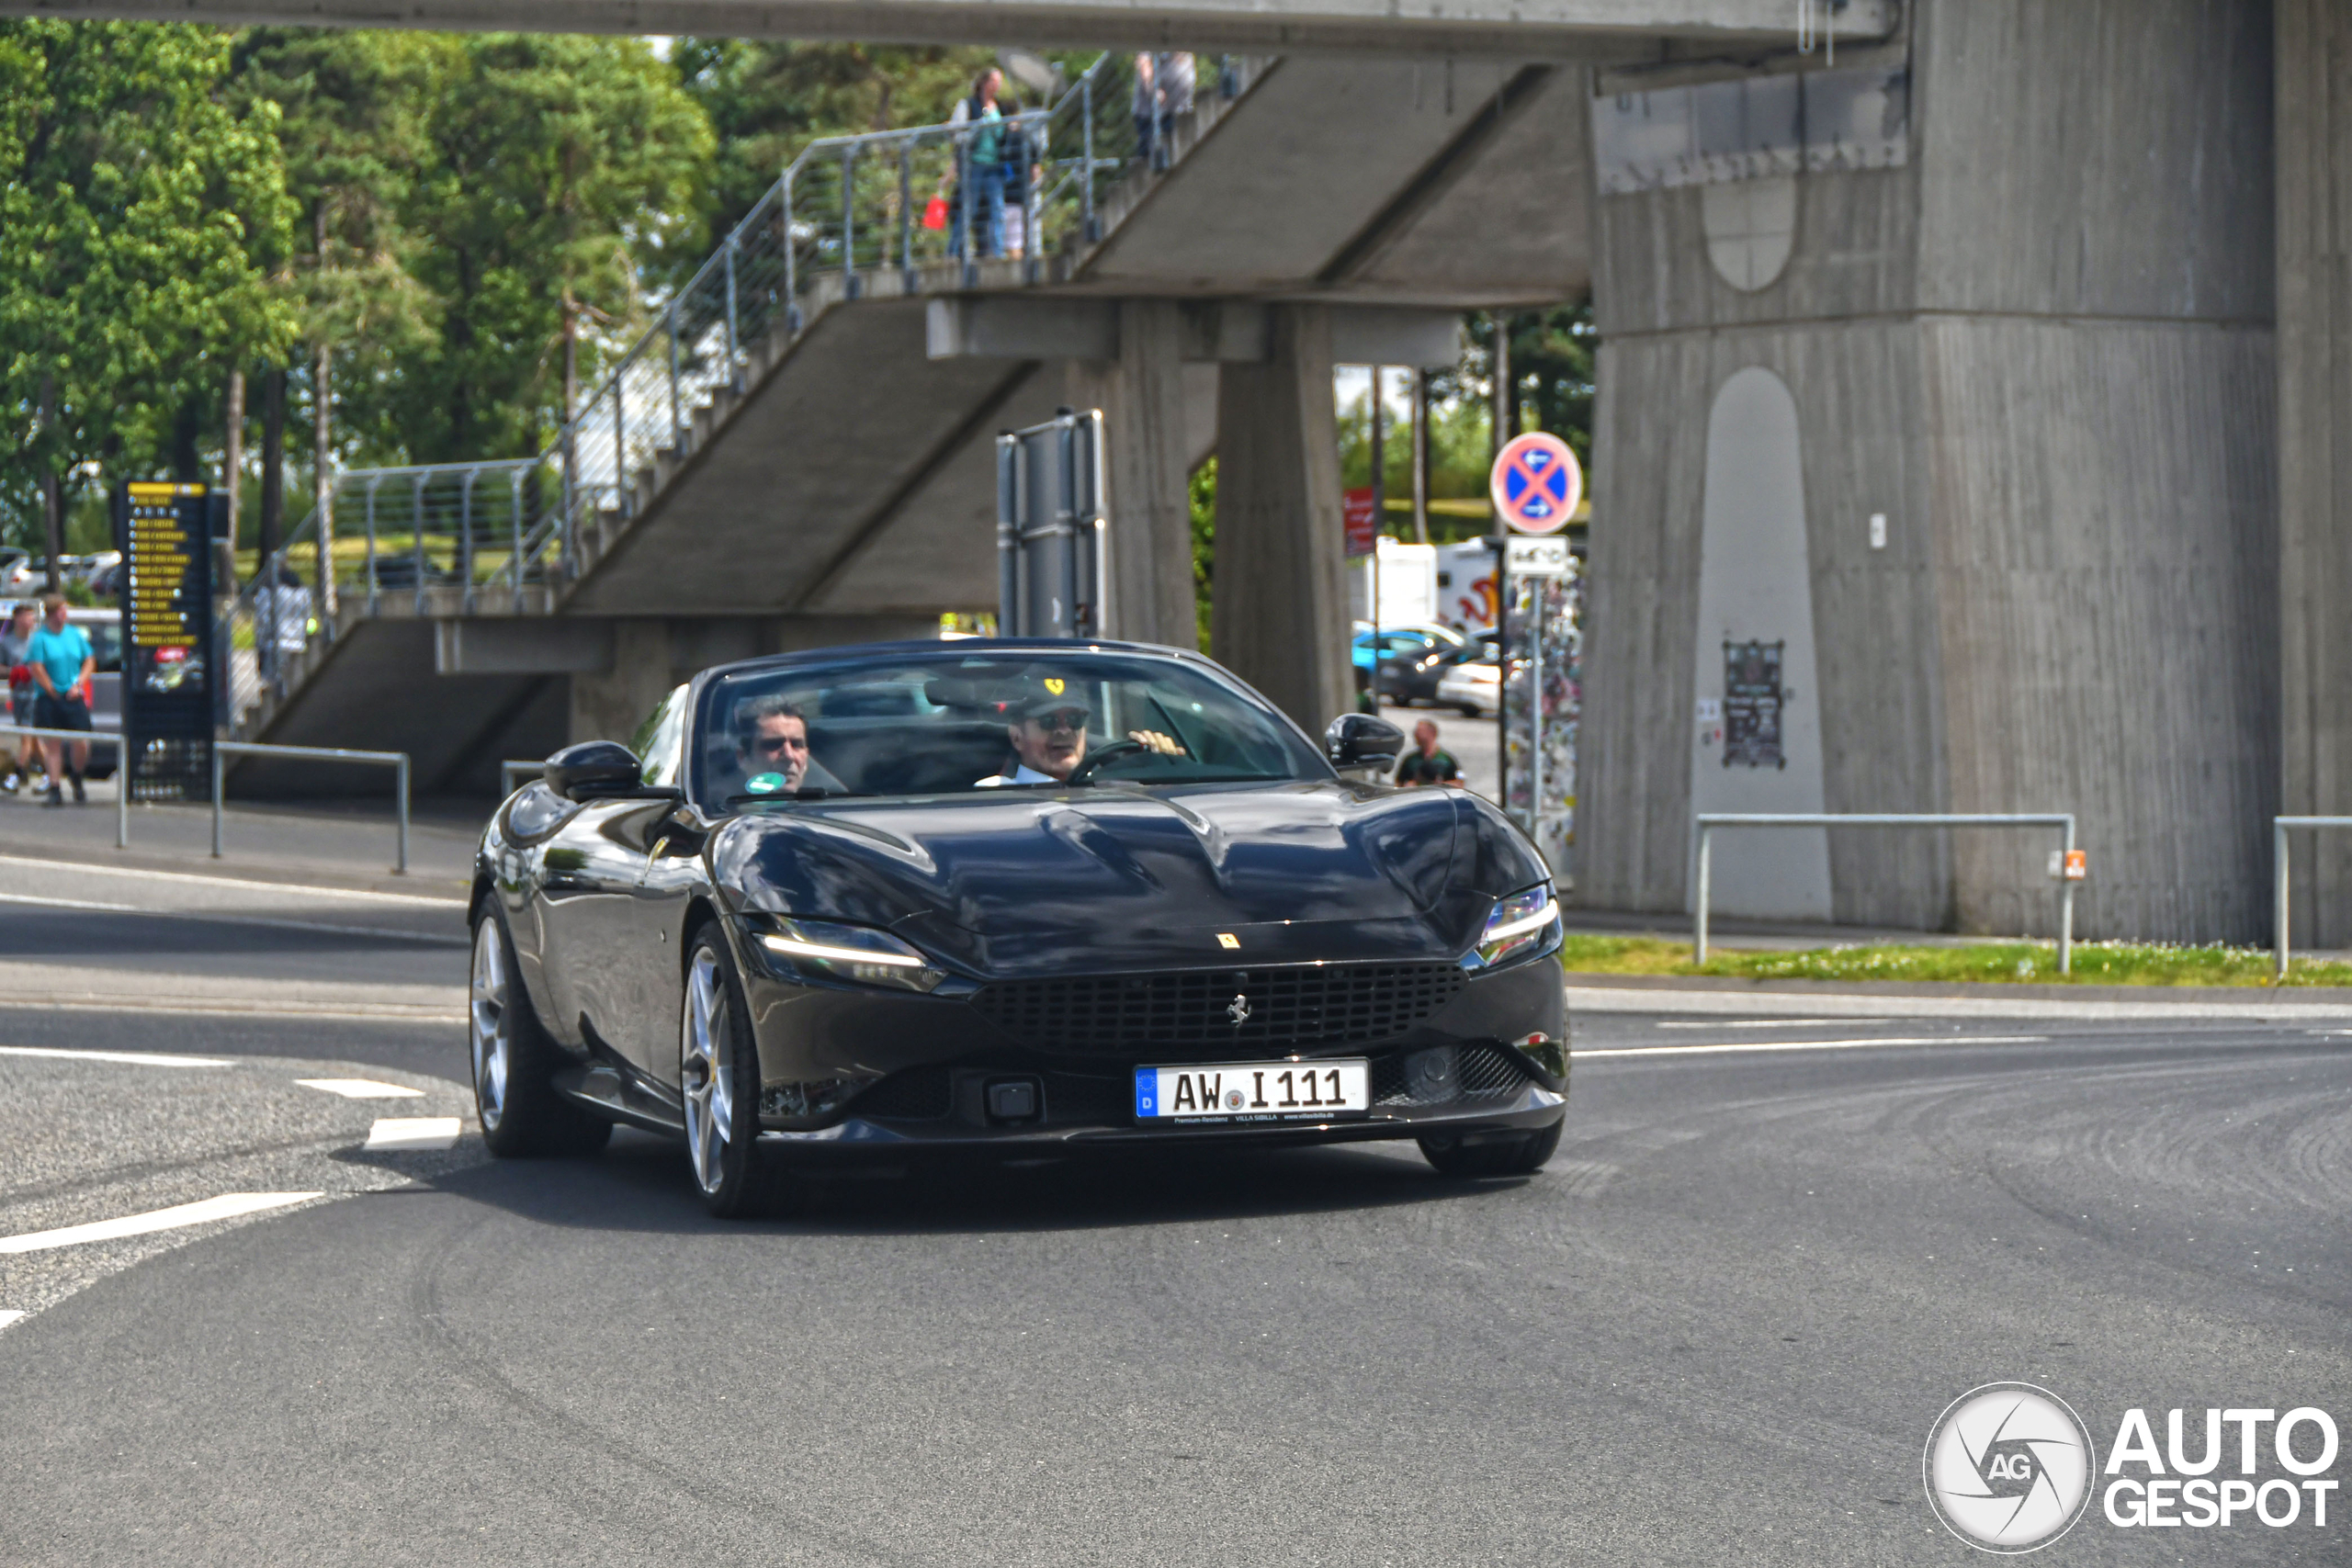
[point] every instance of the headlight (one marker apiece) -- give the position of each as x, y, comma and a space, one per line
858, 954
1519, 924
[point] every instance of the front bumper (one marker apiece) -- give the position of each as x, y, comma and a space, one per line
855, 1069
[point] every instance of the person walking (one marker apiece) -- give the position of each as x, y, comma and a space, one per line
979, 206
1172, 74
1425, 763
16, 647
1146, 109
61, 661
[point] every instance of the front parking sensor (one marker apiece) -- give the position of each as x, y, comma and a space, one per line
1013, 1100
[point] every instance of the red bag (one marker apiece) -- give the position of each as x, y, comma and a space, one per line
934, 213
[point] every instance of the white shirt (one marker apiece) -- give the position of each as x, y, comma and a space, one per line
1024, 773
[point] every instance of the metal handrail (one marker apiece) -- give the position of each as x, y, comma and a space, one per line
121, 768
1708, 821
2281, 914
397, 760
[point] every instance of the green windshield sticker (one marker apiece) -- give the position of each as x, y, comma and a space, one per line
764, 783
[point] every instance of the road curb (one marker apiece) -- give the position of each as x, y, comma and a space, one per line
2324, 997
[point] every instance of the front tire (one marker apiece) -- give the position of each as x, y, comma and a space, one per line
514, 1060
1523, 1156
718, 1079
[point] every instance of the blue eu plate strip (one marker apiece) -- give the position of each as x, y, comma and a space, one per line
1147, 1092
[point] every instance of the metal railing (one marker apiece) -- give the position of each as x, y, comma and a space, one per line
104, 736
397, 760
1708, 822
507, 535
512, 769
2282, 917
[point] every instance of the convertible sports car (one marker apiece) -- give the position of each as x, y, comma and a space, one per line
1026, 896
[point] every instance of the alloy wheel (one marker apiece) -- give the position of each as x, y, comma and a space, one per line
702, 1072
489, 1025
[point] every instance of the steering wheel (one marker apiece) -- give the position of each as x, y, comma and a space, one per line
1096, 757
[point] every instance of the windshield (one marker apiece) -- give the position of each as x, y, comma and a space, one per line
932, 724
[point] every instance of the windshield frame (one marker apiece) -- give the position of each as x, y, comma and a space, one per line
1312, 765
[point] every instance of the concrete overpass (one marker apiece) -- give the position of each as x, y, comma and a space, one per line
1996, 381
1517, 29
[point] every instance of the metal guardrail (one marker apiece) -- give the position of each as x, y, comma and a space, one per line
509, 532
2064, 821
2281, 915
108, 737
513, 769
397, 760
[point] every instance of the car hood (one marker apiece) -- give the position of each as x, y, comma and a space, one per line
1107, 877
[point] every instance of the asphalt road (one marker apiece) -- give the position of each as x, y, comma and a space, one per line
1719, 1325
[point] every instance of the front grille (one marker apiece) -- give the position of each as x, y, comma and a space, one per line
1479, 1072
1195, 1012
1091, 1101
919, 1094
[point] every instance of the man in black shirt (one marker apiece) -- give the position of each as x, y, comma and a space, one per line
1425, 764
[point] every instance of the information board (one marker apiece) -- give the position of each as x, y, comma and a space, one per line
169, 671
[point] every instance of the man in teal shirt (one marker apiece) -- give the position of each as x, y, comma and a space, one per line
62, 659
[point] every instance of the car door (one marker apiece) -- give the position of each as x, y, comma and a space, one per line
651, 968
592, 877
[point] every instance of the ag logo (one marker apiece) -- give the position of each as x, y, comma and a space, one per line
2008, 1467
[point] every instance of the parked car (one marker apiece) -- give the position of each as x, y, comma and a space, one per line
1388, 656
1473, 685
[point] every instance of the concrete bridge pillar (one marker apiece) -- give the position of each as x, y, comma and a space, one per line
2314, 195
1281, 615
1958, 388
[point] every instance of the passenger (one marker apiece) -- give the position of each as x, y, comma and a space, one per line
772, 746
1048, 736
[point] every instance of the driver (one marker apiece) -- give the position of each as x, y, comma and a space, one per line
772, 740
1048, 735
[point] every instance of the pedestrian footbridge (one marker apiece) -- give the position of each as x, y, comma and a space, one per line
799, 448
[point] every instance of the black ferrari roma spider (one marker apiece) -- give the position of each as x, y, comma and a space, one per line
1023, 896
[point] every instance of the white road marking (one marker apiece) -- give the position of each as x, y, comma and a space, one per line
8, 1317
81, 866
133, 1058
1758, 1023
1812, 1044
231, 1009
228, 1206
362, 1089
413, 1133
441, 938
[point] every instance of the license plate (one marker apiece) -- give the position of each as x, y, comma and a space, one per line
1254, 1091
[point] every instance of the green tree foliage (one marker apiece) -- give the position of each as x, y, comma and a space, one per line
139, 213
1550, 362
562, 168
355, 121
768, 99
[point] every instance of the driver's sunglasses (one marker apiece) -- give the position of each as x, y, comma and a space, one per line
1071, 719
770, 745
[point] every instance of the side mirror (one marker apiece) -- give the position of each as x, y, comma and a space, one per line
594, 768
1363, 740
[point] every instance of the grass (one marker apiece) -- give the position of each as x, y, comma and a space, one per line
2015, 962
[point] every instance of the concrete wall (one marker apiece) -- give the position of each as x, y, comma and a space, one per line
2042, 349
2315, 215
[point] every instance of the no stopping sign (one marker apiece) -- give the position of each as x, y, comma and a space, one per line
1536, 483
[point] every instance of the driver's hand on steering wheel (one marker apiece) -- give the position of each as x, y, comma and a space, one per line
1152, 740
